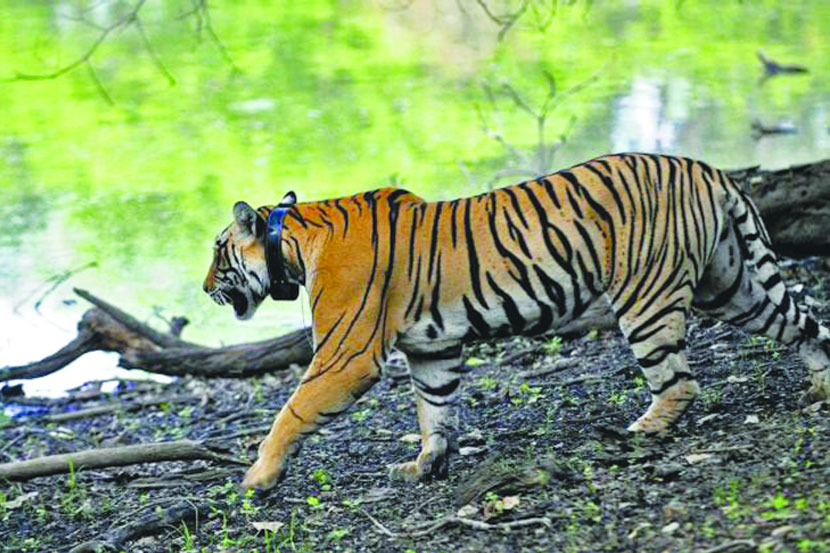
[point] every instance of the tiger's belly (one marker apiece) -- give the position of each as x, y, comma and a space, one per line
518, 312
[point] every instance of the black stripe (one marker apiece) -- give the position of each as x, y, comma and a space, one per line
442, 391
480, 326
475, 279
450, 352
677, 377
659, 354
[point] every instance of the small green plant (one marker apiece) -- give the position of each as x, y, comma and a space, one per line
248, 506
553, 346
618, 397
488, 383
322, 478
71, 482
227, 542
338, 534
475, 362
314, 502
361, 415
187, 538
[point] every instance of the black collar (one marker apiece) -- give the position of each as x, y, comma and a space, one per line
281, 289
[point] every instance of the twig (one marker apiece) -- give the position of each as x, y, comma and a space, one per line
156, 59
730, 545
164, 340
202, 12
122, 22
722, 449
98, 84
504, 21
112, 457
56, 281
556, 366
453, 519
123, 407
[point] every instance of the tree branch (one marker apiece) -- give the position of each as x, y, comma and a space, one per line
122, 22
182, 450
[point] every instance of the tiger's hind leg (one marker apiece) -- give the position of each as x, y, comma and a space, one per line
435, 379
743, 287
656, 331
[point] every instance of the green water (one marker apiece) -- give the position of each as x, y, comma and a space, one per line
133, 161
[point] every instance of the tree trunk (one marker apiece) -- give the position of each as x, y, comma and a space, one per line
795, 205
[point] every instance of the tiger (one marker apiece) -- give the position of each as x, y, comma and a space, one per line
655, 235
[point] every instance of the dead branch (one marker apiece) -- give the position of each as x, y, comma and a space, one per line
182, 450
132, 324
556, 366
107, 328
456, 520
118, 407
154, 522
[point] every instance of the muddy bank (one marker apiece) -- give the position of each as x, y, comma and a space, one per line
543, 463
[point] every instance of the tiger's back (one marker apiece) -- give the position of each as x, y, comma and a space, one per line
528, 258
654, 234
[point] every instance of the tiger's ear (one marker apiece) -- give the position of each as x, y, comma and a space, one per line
246, 217
289, 199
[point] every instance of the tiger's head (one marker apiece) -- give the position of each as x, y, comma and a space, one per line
239, 273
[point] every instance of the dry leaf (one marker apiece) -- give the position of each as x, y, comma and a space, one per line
19, 501
271, 526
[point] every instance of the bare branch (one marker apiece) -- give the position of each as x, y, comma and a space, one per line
496, 19
156, 59
101, 90
204, 21
84, 58
504, 21
112, 457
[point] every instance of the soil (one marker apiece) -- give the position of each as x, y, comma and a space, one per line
544, 463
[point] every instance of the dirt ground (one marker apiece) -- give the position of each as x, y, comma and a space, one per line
543, 466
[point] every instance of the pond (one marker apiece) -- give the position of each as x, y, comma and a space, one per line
116, 175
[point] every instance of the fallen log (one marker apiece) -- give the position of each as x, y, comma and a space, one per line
107, 328
181, 450
795, 205
794, 202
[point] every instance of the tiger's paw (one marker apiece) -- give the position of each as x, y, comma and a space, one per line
406, 472
426, 466
649, 425
263, 475
814, 395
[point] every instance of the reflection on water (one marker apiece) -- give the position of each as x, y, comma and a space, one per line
641, 123
331, 99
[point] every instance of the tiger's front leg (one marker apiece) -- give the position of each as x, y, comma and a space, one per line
324, 392
435, 379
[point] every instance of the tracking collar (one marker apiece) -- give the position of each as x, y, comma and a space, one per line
281, 289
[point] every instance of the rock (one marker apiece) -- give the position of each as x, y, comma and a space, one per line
781, 531
752, 419
670, 528
473, 437
467, 511
694, 458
